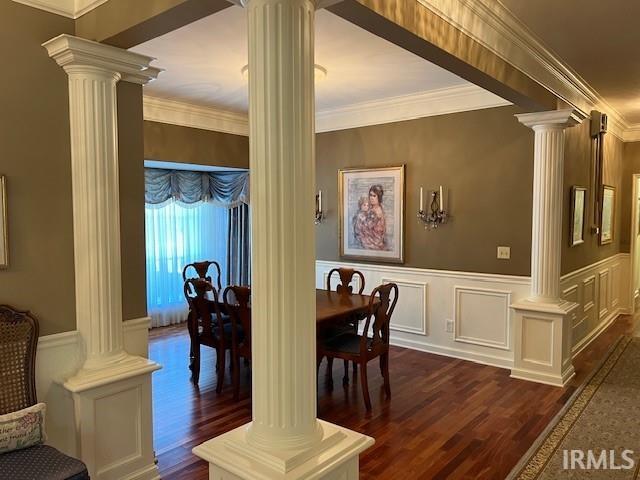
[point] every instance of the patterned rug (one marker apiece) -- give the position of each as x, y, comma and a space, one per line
596, 436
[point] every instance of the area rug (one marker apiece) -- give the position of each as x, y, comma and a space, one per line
596, 435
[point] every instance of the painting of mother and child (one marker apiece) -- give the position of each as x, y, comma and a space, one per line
371, 213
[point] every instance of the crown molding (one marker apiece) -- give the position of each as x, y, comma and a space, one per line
67, 8
195, 116
494, 26
632, 134
395, 109
408, 107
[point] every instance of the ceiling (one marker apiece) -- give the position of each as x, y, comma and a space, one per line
599, 39
202, 63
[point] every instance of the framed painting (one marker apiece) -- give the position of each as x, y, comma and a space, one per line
4, 235
578, 203
608, 214
372, 214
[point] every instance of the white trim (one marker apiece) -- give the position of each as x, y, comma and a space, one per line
189, 115
408, 107
389, 110
568, 277
391, 269
482, 358
423, 287
67, 8
586, 341
136, 324
494, 26
56, 340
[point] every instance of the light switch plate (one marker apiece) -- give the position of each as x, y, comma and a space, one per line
504, 253
449, 326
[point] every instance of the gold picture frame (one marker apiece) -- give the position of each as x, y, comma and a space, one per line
4, 224
371, 213
578, 214
607, 214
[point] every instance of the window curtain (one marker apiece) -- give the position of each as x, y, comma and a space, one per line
193, 216
239, 252
176, 235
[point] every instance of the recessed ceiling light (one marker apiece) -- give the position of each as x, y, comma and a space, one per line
320, 72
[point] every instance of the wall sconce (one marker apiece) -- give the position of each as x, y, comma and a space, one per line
319, 213
438, 214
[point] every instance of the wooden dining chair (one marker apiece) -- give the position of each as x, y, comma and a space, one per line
208, 328
363, 348
202, 271
237, 301
346, 276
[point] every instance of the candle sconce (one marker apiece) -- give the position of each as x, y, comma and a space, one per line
437, 214
319, 213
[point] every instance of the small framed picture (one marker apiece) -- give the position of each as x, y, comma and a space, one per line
608, 214
578, 203
372, 213
4, 234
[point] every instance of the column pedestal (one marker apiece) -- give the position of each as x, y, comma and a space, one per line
112, 391
542, 332
542, 350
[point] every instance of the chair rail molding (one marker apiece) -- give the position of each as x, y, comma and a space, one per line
67, 8
494, 26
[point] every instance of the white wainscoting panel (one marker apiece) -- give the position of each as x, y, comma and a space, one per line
602, 290
410, 315
481, 316
58, 357
426, 306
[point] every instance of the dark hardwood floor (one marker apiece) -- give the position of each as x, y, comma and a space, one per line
447, 418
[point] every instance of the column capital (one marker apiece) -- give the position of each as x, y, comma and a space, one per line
564, 118
69, 51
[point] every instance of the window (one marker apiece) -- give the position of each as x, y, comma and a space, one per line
178, 234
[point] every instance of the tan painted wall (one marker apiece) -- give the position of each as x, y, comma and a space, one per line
578, 161
483, 157
173, 143
34, 155
131, 161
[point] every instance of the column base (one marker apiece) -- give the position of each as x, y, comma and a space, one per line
113, 419
231, 457
543, 341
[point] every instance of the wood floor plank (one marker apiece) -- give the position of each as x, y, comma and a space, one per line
447, 418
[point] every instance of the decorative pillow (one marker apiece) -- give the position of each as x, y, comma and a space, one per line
22, 429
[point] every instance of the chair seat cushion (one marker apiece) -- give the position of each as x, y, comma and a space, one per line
41, 462
346, 343
227, 332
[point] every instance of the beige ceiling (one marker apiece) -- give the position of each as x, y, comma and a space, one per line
203, 62
599, 39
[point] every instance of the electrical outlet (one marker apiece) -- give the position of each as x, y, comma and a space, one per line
449, 327
504, 253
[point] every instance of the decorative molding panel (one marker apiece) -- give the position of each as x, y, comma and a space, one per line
571, 295
396, 109
410, 315
482, 317
494, 26
538, 339
589, 293
67, 8
603, 293
615, 286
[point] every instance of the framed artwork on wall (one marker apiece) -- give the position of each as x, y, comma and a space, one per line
4, 234
578, 203
372, 213
608, 214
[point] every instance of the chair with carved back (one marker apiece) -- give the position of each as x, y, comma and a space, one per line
237, 301
207, 328
363, 348
18, 344
346, 276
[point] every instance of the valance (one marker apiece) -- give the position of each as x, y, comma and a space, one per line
226, 189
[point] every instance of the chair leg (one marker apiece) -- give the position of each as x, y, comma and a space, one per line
195, 363
384, 366
345, 379
220, 353
235, 375
355, 370
365, 386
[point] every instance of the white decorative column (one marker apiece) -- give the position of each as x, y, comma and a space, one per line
542, 324
285, 439
112, 390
